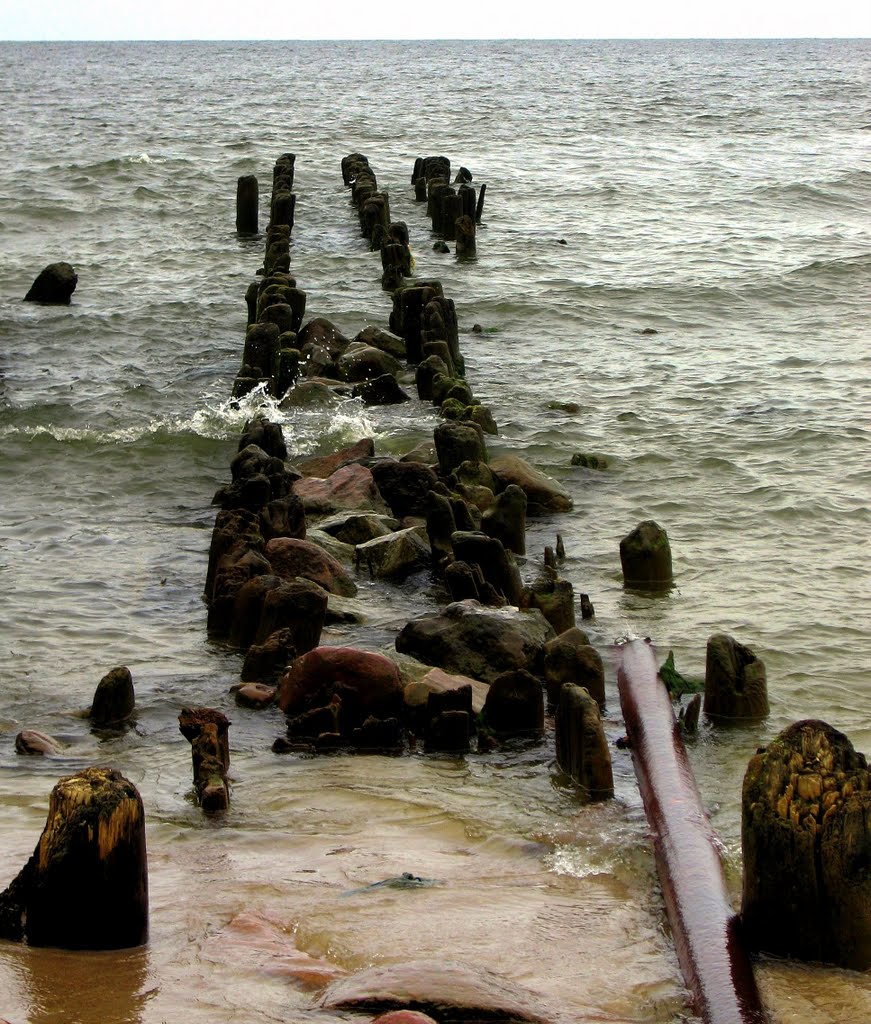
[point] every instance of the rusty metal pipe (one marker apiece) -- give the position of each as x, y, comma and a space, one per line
713, 958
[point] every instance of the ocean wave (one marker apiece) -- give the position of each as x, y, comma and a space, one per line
218, 421
839, 269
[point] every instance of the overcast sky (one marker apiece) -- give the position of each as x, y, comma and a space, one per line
411, 19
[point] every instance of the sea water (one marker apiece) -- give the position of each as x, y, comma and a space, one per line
673, 274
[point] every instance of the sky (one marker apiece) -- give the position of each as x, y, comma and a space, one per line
411, 19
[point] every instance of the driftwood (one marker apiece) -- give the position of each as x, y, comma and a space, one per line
712, 955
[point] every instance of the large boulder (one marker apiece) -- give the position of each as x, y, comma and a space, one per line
363, 362
544, 495
290, 558
358, 527
376, 337
54, 285
351, 487
365, 683
324, 333
477, 641
383, 390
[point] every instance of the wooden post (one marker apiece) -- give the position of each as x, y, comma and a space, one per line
247, 200
207, 729
805, 812
479, 209
86, 885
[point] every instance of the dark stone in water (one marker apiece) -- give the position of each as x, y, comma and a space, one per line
54, 285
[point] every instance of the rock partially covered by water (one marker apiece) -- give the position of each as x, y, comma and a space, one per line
544, 494
86, 884
290, 558
645, 556
350, 487
477, 641
366, 684
806, 835
451, 992
33, 742
54, 285
735, 680
114, 698
581, 748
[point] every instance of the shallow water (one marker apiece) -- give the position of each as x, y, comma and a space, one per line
716, 193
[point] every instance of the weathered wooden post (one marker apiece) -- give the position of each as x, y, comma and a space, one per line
735, 681
86, 884
247, 200
479, 209
581, 748
114, 699
645, 556
806, 836
206, 729
464, 232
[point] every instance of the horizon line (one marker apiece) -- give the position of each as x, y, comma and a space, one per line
450, 39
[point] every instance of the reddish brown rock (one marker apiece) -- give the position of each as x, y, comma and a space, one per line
451, 991
255, 695
367, 683
350, 487
290, 558
323, 466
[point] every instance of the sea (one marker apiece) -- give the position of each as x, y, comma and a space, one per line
673, 274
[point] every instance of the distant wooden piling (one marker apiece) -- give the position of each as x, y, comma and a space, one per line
247, 203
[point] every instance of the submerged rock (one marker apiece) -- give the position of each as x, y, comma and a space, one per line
544, 494
451, 992
366, 683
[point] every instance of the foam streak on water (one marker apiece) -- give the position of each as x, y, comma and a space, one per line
707, 314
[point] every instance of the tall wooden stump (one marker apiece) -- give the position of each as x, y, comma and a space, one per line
207, 731
806, 834
581, 748
86, 885
247, 199
464, 233
645, 555
735, 681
